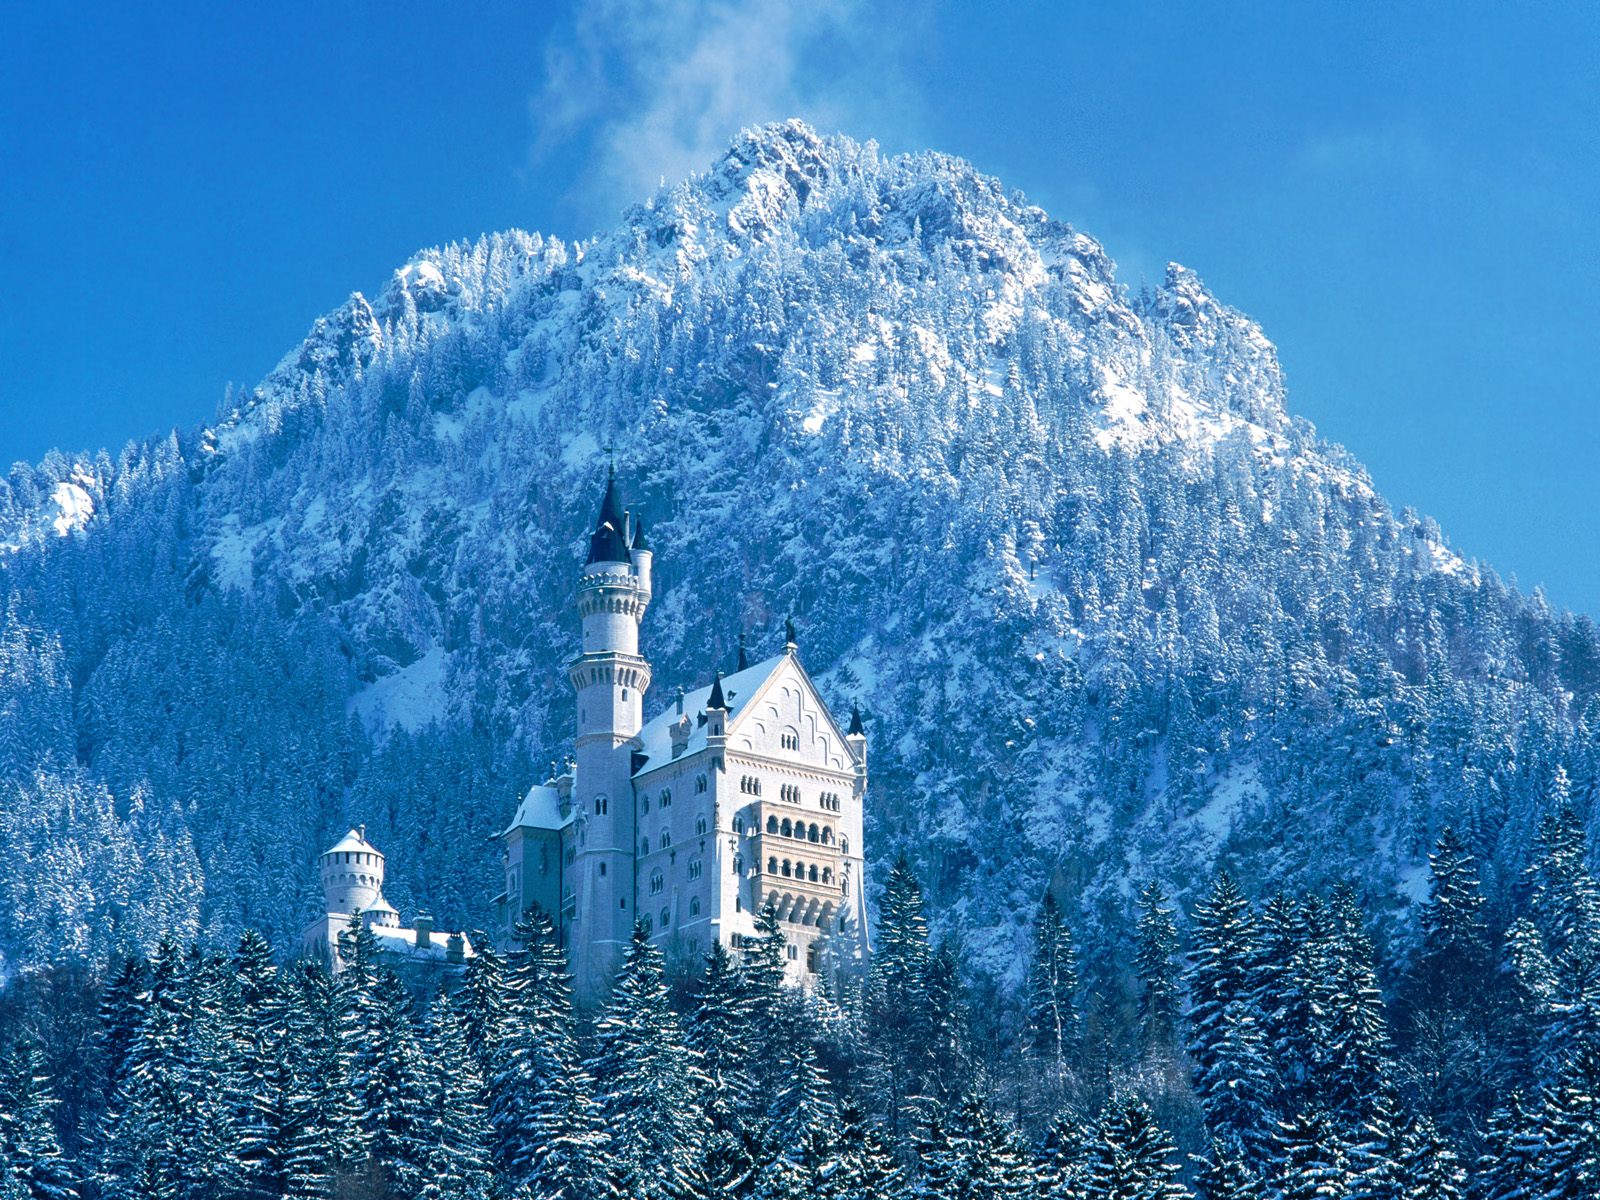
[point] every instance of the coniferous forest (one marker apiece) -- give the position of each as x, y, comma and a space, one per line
1252, 1051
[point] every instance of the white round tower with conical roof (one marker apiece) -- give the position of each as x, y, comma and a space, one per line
352, 880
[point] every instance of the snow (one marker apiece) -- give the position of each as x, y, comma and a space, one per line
74, 507
410, 698
579, 450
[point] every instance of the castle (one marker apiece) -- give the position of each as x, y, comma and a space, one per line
352, 873
741, 794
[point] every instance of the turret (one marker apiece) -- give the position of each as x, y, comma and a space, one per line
856, 739
609, 678
352, 880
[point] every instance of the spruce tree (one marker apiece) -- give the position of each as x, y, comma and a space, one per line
31, 1163
1130, 1156
1155, 964
1222, 961
1052, 989
651, 1088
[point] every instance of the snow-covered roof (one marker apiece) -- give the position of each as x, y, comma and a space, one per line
739, 689
540, 809
404, 942
352, 841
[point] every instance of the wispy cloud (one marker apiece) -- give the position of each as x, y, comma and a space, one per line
1358, 151
655, 90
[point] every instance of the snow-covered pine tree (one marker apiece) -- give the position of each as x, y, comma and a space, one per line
1052, 988
898, 1005
719, 1033
1130, 1156
1155, 963
31, 1163
1308, 1163
547, 1133
650, 1085
454, 1142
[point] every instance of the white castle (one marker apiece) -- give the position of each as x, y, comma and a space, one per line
743, 793
352, 873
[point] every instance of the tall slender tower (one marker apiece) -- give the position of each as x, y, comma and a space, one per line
610, 678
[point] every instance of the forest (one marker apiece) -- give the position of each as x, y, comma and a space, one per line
1252, 1050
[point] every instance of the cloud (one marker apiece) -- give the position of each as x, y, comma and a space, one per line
655, 91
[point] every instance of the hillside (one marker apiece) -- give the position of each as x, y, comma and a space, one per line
1112, 611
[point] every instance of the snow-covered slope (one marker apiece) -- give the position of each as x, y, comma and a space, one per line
1112, 610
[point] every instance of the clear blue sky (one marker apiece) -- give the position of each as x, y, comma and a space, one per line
1406, 196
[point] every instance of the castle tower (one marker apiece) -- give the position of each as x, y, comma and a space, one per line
352, 880
609, 678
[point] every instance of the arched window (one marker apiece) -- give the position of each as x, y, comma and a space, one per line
666, 918
794, 952
844, 845
789, 739
844, 884
644, 846
695, 869
827, 874
812, 874
645, 921
700, 826
656, 883
788, 829
694, 906
599, 806
786, 869
666, 839
811, 833
699, 784
666, 797
738, 864
772, 824
644, 804
827, 837
772, 866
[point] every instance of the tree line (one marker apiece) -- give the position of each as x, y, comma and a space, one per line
1262, 1060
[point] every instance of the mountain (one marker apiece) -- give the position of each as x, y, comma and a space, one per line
1111, 610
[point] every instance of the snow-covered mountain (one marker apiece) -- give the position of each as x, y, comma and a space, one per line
1113, 612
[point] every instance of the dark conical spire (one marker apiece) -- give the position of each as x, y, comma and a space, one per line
716, 701
856, 729
744, 659
608, 542
638, 542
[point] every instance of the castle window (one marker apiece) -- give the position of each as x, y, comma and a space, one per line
772, 866
666, 917
736, 940
644, 804
788, 829
827, 837
700, 826
695, 869
844, 884
622, 902
645, 922
699, 784
811, 959
738, 863
791, 792
666, 839
772, 824
599, 806
794, 952
811, 833
738, 904
786, 869
750, 785
656, 884
644, 846
789, 739
827, 874
694, 906
844, 845
666, 798
602, 870
812, 874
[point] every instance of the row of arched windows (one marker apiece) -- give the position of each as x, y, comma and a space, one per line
664, 841
796, 870
830, 801
750, 785
799, 829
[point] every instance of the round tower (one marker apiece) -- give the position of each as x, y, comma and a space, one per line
609, 678
352, 880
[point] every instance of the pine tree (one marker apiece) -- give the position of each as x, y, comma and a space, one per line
1155, 964
31, 1164
865, 1169
898, 1006
1224, 1176
1308, 1164
1455, 954
1222, 962
1130, 1156
455, 1137
650, 1085
546, 1127
1429, 1166
1052, 989
719, 1034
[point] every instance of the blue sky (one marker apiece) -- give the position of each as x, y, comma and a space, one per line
1405, 196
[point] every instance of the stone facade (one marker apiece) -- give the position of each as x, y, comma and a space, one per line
742, 793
